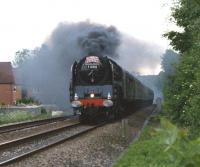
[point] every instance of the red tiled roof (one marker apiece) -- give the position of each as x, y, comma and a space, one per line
6, 73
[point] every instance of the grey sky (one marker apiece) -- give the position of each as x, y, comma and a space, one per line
28, 23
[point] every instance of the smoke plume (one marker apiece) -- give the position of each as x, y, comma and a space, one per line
48, 71
138, 56
100, 42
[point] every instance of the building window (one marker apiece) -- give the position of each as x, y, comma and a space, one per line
14, 89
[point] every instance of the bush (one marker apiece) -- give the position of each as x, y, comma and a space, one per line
2, 104
146, 152
43, 111
166, 146
182, 91
178, 146
26, 101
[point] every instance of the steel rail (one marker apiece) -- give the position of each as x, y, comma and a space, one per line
10, 143
59, 141
43, 147
29, 124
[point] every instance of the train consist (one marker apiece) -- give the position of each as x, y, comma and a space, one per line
99, 86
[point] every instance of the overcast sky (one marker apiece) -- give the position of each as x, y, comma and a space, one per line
28, 23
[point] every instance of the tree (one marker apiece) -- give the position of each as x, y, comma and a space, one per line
21, 57
169, 59
182, 91
186, 14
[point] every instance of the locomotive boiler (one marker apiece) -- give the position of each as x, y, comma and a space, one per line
99, 86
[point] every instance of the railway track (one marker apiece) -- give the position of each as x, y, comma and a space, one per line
17, 149
29, 124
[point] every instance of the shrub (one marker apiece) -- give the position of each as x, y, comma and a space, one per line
182, 91
163, 146
26, 101
178, 146
2, 104
43, 111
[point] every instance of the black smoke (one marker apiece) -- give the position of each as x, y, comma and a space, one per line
48, 73
101, 41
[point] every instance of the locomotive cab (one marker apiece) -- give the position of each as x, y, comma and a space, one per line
91, 83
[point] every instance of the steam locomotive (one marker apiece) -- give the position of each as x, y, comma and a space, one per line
100, 86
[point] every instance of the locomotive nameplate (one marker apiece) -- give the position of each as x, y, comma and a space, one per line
91, 60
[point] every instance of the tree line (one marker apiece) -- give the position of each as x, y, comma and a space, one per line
182, 89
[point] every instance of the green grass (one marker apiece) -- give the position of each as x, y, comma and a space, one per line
163, 144
146, 152
20, 116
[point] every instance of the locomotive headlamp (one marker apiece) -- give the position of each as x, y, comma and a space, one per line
76, 103
75, 96
108, 103
109, 96
92, 95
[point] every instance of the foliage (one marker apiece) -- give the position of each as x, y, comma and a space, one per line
2, 104
146, 152
162, 146
169, 60
186, 14
182, 95
21, 57
182, 89
43, 111
178, 146
26, 101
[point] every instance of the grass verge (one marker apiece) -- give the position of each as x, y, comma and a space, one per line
147, 151
20, 116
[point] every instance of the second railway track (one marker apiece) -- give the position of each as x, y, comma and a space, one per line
29, 124
17, 149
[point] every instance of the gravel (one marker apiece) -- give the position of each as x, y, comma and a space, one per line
37, 143
101, 147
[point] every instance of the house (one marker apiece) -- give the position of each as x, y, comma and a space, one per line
9, 90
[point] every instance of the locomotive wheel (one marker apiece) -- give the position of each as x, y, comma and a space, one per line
83, 118
110, 115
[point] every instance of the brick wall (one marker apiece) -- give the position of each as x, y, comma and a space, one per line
9, 94
17, 93
6, 95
